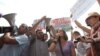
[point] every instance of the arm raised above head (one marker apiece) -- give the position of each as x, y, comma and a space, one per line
82, 27
36, 24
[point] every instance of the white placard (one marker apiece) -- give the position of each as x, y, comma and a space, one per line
80, 7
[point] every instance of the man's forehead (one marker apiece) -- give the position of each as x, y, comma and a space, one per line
23, 25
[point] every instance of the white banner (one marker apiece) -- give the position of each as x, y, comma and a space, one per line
81, 7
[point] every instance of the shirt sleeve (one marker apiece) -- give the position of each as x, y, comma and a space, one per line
22, 39
71, 44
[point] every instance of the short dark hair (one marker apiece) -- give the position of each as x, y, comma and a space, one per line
76, 32
24, 26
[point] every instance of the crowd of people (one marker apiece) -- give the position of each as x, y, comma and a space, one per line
31, 41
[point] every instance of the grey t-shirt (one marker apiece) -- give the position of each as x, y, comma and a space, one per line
38, 48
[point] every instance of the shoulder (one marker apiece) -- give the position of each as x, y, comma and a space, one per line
22, 39
24, 35
70, 43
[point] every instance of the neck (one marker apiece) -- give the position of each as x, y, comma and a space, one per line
38, 37
20, 33
62, 40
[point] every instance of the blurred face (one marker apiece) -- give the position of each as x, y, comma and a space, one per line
92, 21
39, 34
45, 37
61, 33
75, 36
29, 31
22, 29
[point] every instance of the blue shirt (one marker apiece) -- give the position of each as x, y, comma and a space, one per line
15, 50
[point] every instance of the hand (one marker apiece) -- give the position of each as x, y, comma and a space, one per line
82, 39
90, 40
47, 20
57, 35
44, 17
6, 36
77, 23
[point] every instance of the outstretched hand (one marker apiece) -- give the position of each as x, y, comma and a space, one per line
44, 17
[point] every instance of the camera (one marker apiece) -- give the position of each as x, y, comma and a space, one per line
79, 39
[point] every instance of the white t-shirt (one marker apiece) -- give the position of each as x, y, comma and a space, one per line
81, 48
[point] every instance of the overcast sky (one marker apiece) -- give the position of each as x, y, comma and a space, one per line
28, 10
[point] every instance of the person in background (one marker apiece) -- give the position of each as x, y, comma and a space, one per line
37, 46
81, 47
45, 37
61, 45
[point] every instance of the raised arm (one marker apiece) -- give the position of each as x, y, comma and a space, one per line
50, 27
36, 24
52, 31
82, 27
52, 47
13, 40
